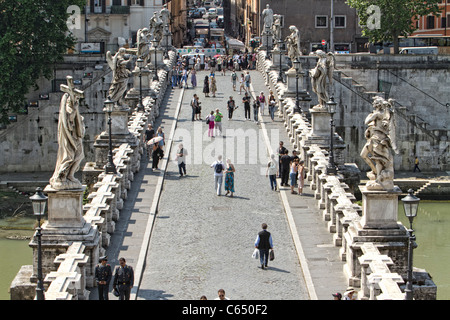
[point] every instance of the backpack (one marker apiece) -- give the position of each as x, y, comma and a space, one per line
234, 76
218, 168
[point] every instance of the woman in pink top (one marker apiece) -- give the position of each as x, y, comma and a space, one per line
262, 101
211, 124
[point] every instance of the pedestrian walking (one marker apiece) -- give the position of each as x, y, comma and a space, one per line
231, 106
280, 151
149, 134
262, 102
218, 122
416, 164
193, 77
212, 65
184, 78
271, 172
160, 133
213, 85
123, 279
301, 176
103, 275
218, 174
181, 159
194, 106
206, 86
219, 63
247, 80
285, 165
264, 243
229, 178
234, 79
255, 110
157, 154
293, 174
174, 77
221, 295
241, 83
246, 102
272, 105
210, 121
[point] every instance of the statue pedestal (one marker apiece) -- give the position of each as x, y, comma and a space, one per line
276, 61
66, 225
146, 78
292, 81
320, 123
380, 209
159, 58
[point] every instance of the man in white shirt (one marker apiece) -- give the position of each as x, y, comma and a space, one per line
221, 295
181, 158
219, 167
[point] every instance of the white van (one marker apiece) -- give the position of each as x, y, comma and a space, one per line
419, 50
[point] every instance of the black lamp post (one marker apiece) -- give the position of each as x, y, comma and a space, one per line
39, 201
297, 66
155, 77
166, 53
410, 204
267, 43
280, 75
110, 167
331, 168
140, 65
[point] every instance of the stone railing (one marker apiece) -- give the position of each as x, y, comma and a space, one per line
366, 268
75, 269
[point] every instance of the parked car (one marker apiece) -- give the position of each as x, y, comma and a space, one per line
219, 21
202, 11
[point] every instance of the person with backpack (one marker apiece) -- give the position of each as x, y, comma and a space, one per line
219, 167
233, 79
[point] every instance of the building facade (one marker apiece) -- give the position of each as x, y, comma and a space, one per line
106, 25
313, 19
434, 25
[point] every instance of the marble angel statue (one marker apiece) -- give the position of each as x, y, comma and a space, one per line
118, 64
156, 27
319, 75
293, 43
381, 141
71, 131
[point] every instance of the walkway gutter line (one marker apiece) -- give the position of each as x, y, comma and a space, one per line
140, 265
287, 209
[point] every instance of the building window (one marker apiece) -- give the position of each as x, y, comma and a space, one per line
443, 22
98, 6
430, 22
321, 21
117, 2
340, 21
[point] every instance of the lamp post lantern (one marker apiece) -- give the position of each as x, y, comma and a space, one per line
331, 168
297, 66
140, 65
110, 167
39, 201
410, 205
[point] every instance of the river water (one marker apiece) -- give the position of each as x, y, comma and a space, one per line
430, 227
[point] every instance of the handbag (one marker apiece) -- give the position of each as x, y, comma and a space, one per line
271, 255
207, 120
255, 254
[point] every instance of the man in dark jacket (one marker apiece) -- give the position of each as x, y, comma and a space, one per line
103, 275
280, 152
123, 279
264, 243
285, 163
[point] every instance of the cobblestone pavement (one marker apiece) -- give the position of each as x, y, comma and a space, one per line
202, 242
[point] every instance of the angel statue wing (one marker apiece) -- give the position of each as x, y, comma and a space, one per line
330, 63
393, 126
110, 60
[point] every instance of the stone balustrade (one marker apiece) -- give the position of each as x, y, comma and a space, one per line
336, 202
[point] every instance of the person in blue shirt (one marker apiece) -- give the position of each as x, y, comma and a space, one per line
264, 243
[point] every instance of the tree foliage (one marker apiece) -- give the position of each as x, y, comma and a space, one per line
395, 17
33, 36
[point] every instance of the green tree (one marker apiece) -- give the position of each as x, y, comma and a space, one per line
33, 36
386, 20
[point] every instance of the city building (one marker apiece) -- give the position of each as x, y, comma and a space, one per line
110, 24
434, 25
311, 17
